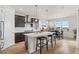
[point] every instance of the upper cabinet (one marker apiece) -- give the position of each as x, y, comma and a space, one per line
1, 13
19, 21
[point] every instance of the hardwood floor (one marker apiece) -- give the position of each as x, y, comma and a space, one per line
18, 48
64, 46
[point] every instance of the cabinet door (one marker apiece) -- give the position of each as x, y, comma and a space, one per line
19, 21
19, 37
1, 14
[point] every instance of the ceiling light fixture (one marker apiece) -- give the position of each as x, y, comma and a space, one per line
36, 19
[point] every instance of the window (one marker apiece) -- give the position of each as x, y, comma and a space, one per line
64, 24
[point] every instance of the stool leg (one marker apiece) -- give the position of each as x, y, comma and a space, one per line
47, 43
40, 47
62, 36
51, 42
59, 37
55, 39
36, 44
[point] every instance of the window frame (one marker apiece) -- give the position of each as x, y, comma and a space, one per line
61, 24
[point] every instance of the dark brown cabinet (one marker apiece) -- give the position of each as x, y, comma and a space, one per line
19, 21
19, 37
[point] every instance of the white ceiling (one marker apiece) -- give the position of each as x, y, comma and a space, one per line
54, 11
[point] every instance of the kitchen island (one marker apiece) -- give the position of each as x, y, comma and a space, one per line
31, 39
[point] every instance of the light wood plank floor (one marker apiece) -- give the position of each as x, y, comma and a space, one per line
64, 46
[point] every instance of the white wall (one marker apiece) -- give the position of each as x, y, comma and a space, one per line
77, 39
8, 16
51, 23
43, 22
72, 25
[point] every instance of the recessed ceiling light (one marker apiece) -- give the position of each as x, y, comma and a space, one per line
20, 8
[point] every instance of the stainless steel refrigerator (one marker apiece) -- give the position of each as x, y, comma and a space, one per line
1, 34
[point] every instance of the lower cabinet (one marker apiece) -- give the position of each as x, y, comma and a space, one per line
19, 37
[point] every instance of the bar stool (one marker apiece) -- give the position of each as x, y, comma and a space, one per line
51, 40
61, 34
57, 34
41, 42
54, 37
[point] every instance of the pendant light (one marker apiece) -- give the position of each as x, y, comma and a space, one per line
36, 19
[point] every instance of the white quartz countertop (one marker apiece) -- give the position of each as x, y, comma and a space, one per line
38, 34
